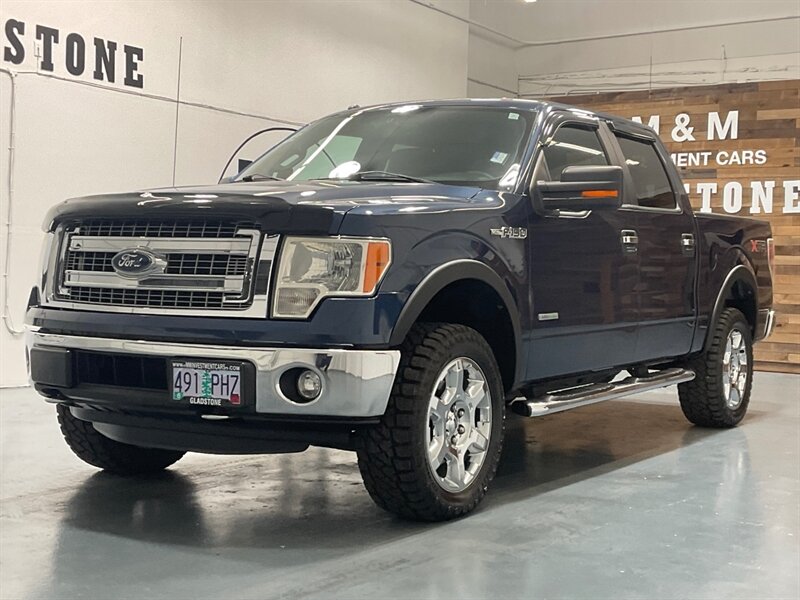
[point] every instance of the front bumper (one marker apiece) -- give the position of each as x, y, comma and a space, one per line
356, 383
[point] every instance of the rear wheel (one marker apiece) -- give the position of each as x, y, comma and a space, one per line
438, 444
720, 392
99, 451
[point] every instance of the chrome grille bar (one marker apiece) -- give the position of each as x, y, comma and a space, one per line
188, 283
164, 245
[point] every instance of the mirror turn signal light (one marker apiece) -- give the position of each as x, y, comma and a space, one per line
599, 194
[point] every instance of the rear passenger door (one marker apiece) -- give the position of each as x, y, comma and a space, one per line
664, 227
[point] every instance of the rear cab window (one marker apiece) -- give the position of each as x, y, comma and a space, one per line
650, 179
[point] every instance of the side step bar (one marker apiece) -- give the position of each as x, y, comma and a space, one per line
598, 392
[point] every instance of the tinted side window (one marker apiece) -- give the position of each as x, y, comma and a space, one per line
573, 145
649, 175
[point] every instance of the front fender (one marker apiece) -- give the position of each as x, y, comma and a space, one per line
444, 245
440, 278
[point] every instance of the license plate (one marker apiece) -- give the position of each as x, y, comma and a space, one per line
206, 383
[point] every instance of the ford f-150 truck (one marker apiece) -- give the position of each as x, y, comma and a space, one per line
390, 280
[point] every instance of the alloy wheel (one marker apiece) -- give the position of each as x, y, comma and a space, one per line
734, 369
459, 424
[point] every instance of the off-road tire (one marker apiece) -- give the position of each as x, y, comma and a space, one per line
392, 456
703, 399
96, 449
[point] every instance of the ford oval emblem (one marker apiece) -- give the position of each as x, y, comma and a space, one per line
137, 262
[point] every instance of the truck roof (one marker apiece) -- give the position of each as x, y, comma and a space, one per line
514, 104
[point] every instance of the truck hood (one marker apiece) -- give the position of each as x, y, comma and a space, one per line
302, 207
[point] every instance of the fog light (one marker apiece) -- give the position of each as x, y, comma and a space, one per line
309, 385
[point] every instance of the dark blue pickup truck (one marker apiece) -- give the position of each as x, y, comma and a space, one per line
391, 280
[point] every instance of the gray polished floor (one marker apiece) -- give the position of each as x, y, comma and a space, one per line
619, 500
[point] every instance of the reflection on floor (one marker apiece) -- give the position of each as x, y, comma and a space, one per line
618, 500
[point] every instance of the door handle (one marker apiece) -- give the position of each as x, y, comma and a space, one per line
630, 240
687, 244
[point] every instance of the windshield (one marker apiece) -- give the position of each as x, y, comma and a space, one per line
458, 145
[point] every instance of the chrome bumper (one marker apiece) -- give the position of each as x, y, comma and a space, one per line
356, 383
768, 318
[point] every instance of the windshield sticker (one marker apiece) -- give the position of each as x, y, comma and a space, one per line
499, 157
513, 116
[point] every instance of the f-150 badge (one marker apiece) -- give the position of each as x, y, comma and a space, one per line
515, 233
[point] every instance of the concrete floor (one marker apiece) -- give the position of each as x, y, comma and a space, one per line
618, 500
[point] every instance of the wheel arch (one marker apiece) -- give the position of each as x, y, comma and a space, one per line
739, 290
475, 281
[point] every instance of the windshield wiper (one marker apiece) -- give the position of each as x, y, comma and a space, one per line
386, 176
259, 177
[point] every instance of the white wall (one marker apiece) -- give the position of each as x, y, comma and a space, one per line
492, 68
290, 61
571, 46
716, 54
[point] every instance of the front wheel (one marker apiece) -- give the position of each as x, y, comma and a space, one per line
719, 394
436, 448
94, 448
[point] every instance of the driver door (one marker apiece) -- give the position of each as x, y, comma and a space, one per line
583, 278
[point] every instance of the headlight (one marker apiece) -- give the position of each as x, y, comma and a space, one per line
311, 269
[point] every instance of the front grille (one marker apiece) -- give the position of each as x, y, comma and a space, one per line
196, 264
125, 370
162, 228
177, 264
206, 264
99, 262
158, 298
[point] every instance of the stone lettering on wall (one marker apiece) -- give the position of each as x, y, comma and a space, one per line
73, 54
756, 196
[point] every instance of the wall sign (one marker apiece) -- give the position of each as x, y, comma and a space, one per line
755, 196
737, 147
73, 54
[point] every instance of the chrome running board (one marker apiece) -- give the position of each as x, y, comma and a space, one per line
598, 392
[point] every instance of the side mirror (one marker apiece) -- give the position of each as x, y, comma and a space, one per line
580, 188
